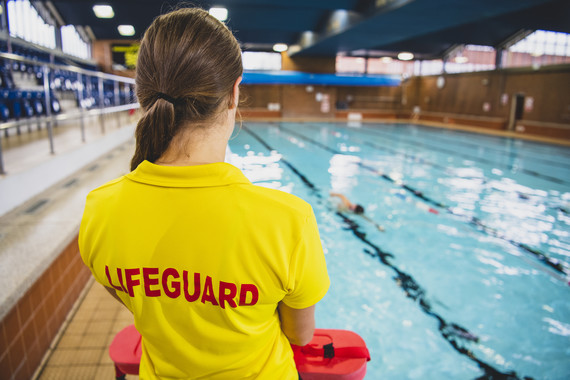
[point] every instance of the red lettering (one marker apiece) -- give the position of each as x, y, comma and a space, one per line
175, 291
208, 294
120, 275
227, 297
111, 281
248, 288
194, 296
129, 273
148, 282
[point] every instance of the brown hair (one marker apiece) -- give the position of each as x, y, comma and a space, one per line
187, 65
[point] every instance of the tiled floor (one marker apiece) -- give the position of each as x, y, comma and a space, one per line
81, 350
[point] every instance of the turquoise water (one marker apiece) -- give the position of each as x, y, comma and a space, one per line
469, 278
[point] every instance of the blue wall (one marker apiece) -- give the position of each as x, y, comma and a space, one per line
296, 77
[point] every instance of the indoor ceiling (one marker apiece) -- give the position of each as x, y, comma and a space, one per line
427, 28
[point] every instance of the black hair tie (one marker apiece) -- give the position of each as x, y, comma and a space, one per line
168, 98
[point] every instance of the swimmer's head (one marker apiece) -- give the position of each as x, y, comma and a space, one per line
188, 68
358, 209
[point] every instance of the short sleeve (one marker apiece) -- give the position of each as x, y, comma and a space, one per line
308, 276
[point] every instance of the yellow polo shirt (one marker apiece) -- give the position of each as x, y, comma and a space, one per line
202, 257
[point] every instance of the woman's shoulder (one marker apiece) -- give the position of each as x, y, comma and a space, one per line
106, 188
268, 197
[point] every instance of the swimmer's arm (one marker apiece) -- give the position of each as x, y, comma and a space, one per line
344, 199
113, 292
298, 325
373, 222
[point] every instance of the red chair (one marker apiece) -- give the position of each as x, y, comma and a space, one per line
125, 351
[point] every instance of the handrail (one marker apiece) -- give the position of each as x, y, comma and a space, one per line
69, 115
81, 113
79, 70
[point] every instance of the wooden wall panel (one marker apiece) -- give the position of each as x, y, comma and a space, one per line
259, 96
370, 98
484, 99
550, 93
298, 102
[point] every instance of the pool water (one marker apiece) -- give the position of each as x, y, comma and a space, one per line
469, 278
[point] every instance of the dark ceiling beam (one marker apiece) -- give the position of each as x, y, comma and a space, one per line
342, 20
507, 43
451, 51
513, 39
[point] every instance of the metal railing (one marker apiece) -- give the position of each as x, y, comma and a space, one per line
50, 118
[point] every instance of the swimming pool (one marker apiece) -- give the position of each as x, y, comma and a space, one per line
470, 277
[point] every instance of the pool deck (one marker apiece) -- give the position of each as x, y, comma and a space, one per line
80, 349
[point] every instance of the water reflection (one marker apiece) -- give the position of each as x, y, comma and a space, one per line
263, 170
344, 169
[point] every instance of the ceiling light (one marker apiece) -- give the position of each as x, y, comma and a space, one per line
219, 13
386, 59
405, 56
126, 30
280, 47
461, 59
103, 11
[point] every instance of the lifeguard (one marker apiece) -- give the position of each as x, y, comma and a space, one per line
168, 282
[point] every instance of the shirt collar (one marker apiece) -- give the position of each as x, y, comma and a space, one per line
216, 174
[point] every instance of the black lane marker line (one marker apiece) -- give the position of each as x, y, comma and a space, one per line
396, 152
555, 264
470, 157
446, 169
492, 138
411, 190
451, 332
475, 146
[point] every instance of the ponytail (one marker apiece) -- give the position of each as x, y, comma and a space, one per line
154, 131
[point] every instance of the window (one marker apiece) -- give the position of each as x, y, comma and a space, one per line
26, 23
471, 58
428, 67
350, 65
539, 48
73, 44
257, 60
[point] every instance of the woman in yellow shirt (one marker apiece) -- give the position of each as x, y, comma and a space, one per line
221, 275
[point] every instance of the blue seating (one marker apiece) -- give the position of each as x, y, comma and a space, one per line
6, 81
55, 105
4, 112
28, 103
15, 109
38, 105
27, 108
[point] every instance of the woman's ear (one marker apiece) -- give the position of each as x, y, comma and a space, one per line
235, 93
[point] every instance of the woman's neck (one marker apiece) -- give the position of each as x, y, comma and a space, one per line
197, 146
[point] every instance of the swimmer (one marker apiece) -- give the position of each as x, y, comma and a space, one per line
355, 208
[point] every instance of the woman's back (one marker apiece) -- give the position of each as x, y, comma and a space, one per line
220, 274
201, 257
